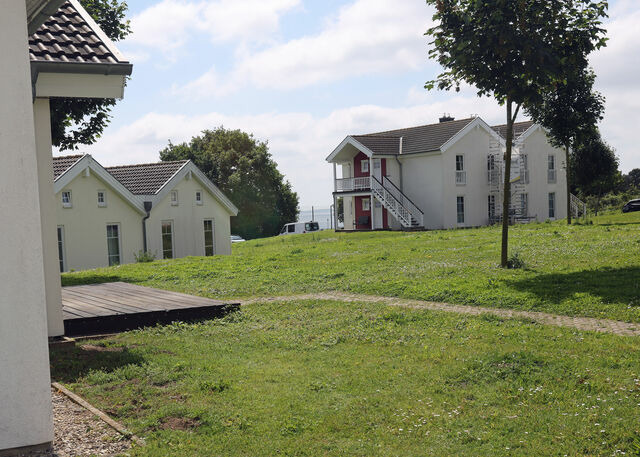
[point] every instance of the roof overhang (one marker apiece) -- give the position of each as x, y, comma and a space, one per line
39, 11
348, 149
476, 123
534, 128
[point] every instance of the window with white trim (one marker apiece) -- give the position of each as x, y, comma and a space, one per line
551, 171
461, 175
525, 166
167, 239
552, 205
524, 205
491, 210
460, 209
366, 204
174, 198
198, 197
66, 199
209, 238
113, 244
61, 254
364, 166
102, 198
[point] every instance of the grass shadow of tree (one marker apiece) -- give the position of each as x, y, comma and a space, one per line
612, 285
93, 278
71, 362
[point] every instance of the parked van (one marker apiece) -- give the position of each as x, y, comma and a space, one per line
299, 227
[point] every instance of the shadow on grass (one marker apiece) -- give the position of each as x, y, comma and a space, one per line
612, 285
93, 278
70, 363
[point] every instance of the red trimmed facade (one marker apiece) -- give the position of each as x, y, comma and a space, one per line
357, 201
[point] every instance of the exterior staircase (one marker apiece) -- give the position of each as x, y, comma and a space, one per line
397, 203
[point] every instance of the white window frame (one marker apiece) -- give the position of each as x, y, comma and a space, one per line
103, 203
552, 207
464, 210
213, 236
173, 239
69, 202
199, 197
461, 174
364, 166
62, 245
174, 198
524, 204
551, 169
117, 224
491, 207
366, 204
525, 167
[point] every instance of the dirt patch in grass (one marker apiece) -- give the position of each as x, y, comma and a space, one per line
179, 423
94, 348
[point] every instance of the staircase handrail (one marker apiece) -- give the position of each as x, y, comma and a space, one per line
403, 197
395, 205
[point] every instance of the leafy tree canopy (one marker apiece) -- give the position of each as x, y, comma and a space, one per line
595, 166
243, 169
77, 121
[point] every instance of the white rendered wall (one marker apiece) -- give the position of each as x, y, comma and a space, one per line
25, 392
188, 222
42, 119
423, 184
85, 224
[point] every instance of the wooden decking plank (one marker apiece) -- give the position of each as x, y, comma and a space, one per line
79, 311
161, 293
158, 296
126, 308
89, 308
69, 314
142, 299
105, 297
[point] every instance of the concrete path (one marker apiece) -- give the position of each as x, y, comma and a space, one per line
580, 323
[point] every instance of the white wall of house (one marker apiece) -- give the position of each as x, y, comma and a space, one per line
538, 149
188, 221
25, 392
85, 224
423, 184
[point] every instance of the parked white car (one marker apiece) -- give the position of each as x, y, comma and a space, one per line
299, 227
237, 239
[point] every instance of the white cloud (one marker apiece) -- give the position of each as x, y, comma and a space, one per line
298, 141
366, 37
168, 25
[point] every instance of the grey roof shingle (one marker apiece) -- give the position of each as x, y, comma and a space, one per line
380, 144
63, 163
145, 179
518, 129
423, 138
67, 37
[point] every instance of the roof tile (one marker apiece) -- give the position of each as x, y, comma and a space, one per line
63, 163
145, 179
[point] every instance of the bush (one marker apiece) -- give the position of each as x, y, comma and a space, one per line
515, 261
144, 257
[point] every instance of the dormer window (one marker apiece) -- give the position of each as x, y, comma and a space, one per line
174, 198
102, 198
198, 197
66, 199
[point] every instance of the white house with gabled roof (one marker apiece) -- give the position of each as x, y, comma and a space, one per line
446, 175
106, 216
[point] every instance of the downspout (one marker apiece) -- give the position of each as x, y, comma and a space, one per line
400, 166
147, 208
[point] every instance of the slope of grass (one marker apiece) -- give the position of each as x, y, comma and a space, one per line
332, 379
584, 270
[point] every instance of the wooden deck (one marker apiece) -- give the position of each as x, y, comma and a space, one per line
118, 306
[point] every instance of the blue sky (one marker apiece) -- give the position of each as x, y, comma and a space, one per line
303, 74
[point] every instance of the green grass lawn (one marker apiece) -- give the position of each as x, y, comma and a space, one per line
583, 270
318, 378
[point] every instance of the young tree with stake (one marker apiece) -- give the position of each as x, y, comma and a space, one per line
514, 51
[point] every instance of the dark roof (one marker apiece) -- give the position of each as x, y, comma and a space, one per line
145, 179
62, 164
67, 37
380, 144
423, 138
518, 129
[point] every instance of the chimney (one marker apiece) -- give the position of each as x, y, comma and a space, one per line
446, 118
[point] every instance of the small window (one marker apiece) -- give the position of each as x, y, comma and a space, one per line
174, 198
459, 163
61, 255
311, 227
461, 175
113, 244
198, 197
366, 204
524, 204
364, 166
491, 207
552, 205
551, 172
525, 166
66, 199
208, 238
460, 209
291, 228
167, 240
102, 198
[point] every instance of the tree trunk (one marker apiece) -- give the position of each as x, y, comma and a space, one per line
507, 187
568, 176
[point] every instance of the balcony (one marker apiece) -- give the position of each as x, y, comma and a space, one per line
353, 184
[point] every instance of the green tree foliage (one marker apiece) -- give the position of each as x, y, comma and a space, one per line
77, 121
243, 169
595, 168
632, 180
569, 110
514, 51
